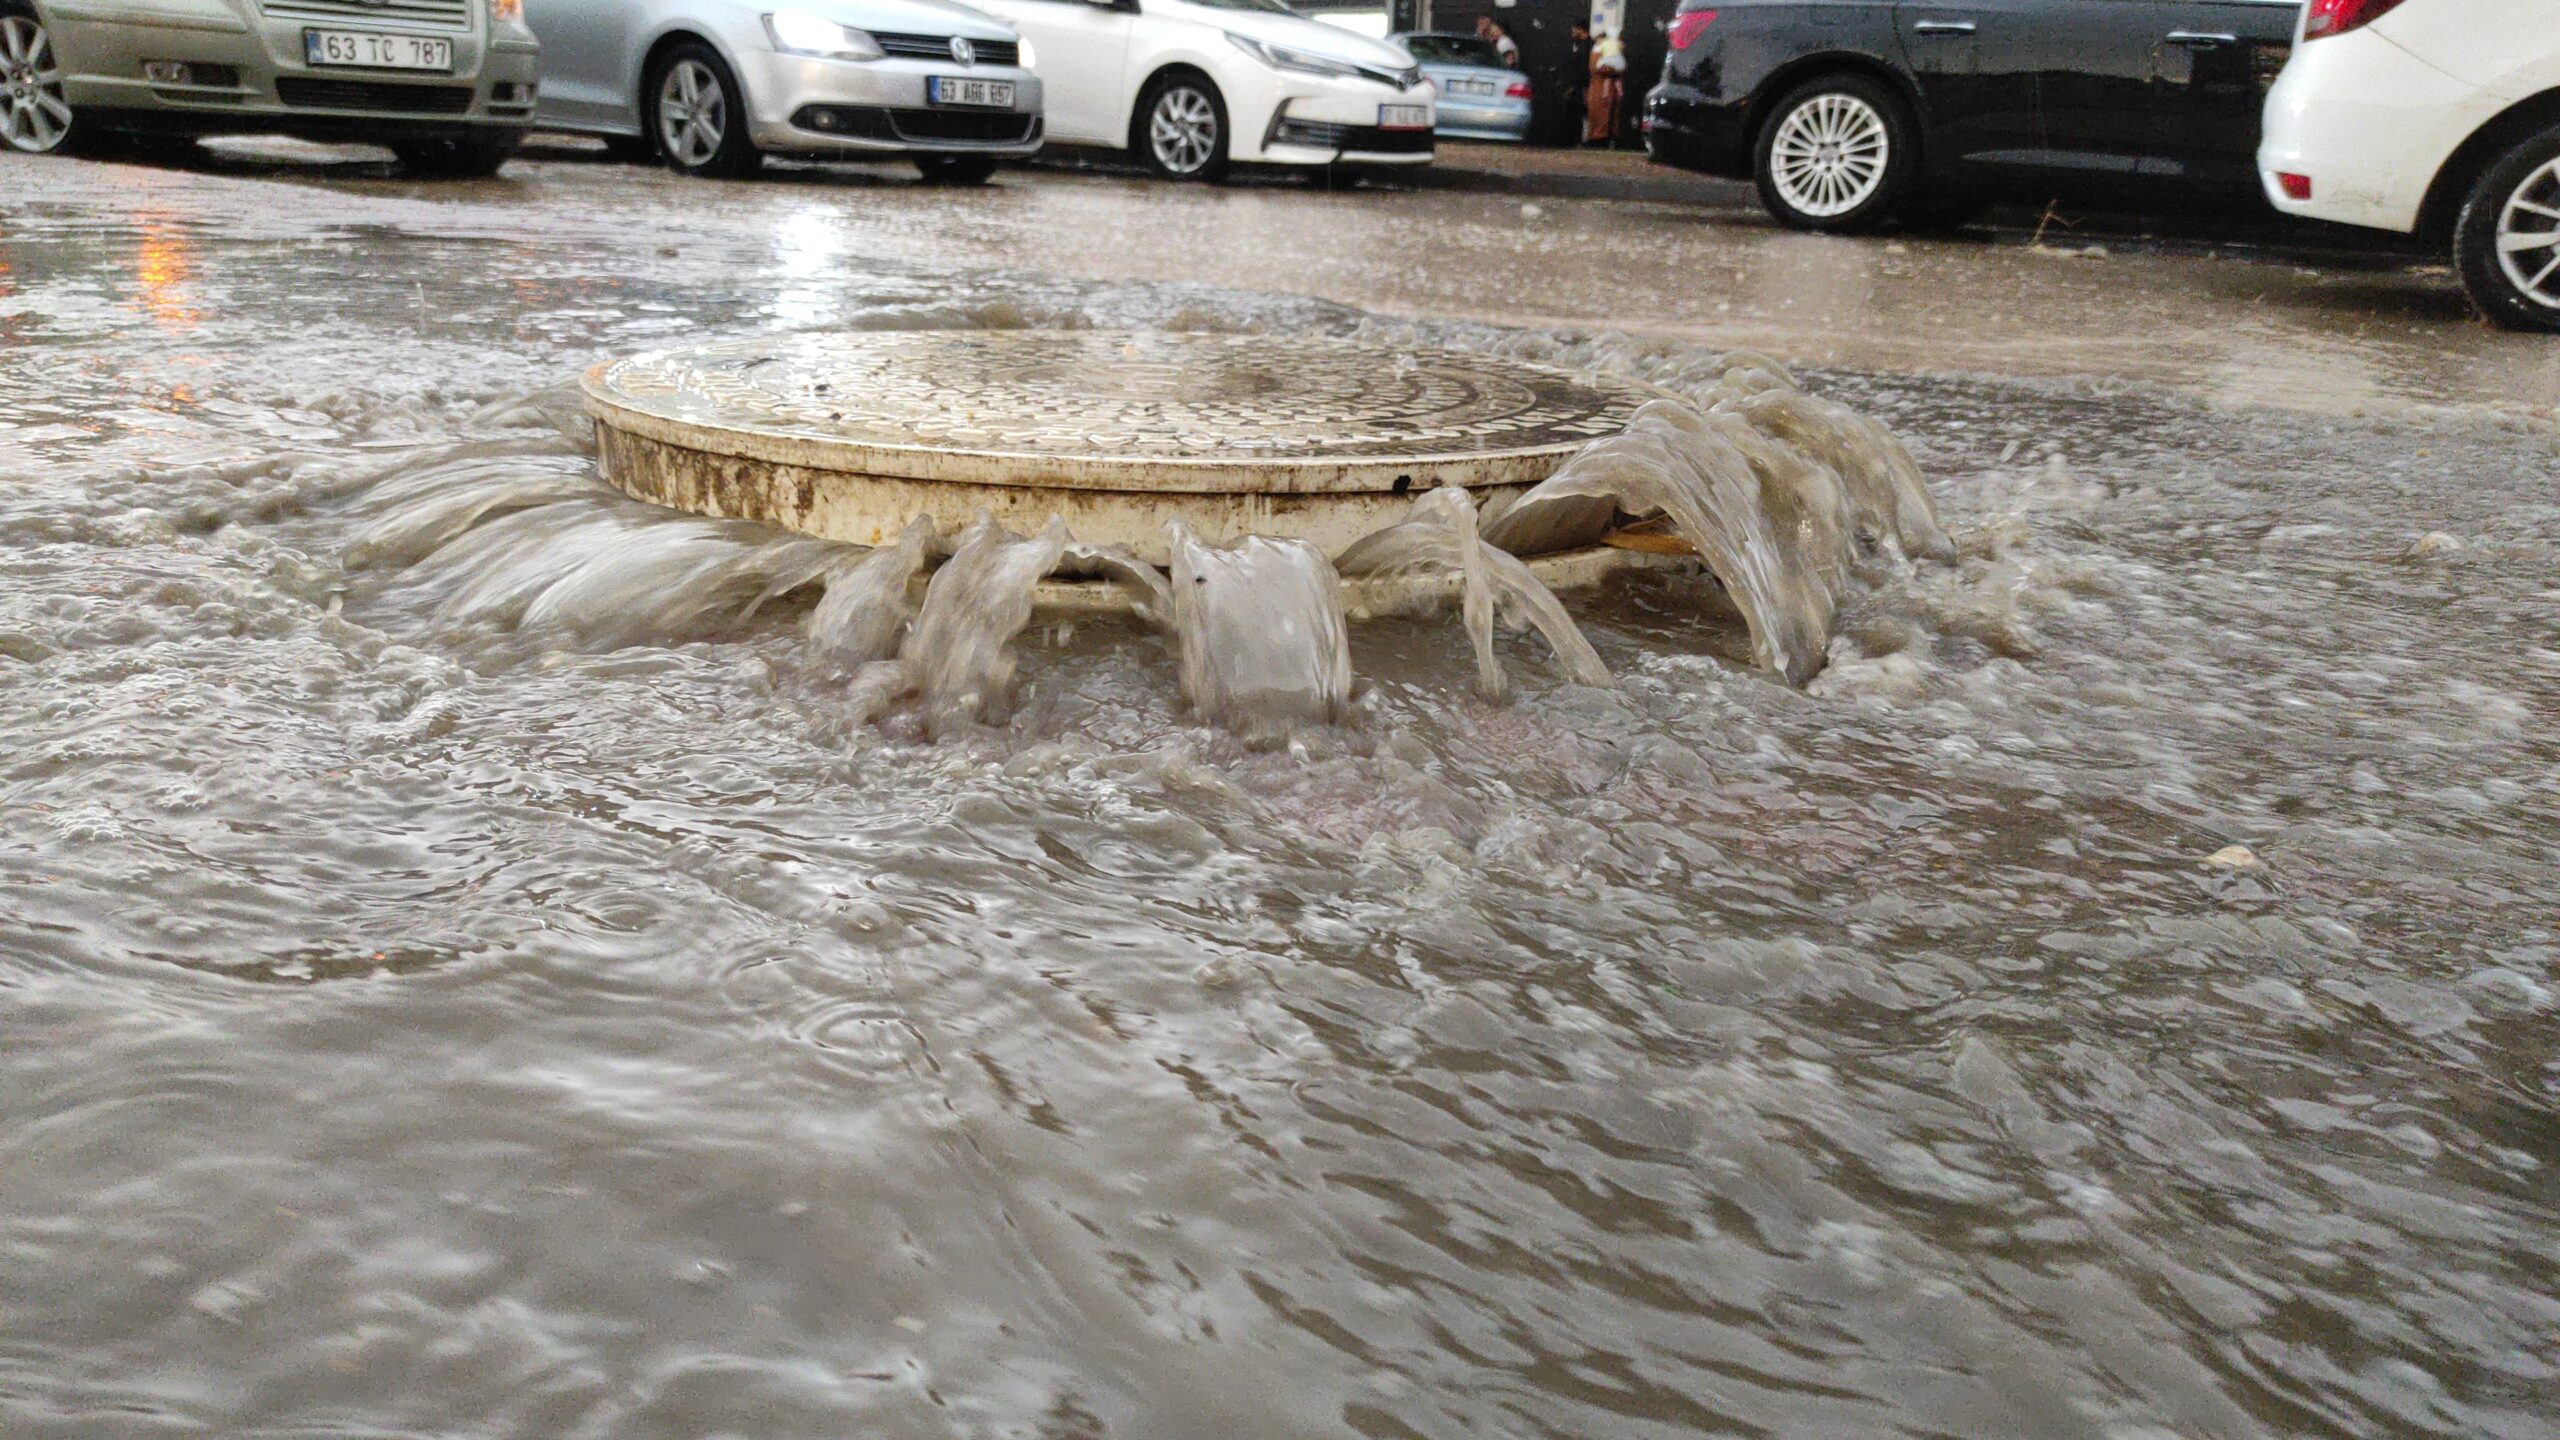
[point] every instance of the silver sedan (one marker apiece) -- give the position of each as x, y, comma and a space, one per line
447, 84
713, 86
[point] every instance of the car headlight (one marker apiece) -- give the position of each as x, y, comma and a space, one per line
1030, 61
798, 32
1281, 57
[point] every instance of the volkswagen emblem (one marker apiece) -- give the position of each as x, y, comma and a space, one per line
962, 51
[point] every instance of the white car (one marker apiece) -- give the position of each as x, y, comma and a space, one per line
714, 86
1190, 85
2433, 117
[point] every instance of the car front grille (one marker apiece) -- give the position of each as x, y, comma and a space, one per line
306, 93
448, 15
938, 47
962, 127
1365, 139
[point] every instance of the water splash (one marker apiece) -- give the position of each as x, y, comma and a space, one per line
1879, 473
864, 613
1260, 628
958, 657
1440, 536
1670, 461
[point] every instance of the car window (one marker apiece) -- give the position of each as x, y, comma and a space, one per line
1452, 50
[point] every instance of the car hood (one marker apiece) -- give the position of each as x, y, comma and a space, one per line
1299, 33
907, 17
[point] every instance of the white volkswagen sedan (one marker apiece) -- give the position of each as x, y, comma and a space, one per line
2432, 117
714, 86
1190, 85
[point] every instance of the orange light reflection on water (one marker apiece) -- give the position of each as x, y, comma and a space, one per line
162, 269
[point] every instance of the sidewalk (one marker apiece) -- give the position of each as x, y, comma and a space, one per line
1532, 170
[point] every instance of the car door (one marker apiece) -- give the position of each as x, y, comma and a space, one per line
2216, 60
586, 45
1976, 64
2094, 97
1082, 49
2043, 84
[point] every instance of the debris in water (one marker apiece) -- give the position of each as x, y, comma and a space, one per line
2235, 857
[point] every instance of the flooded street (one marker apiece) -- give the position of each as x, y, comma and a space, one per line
2118, 997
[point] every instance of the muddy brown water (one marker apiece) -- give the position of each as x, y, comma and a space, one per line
412, 1026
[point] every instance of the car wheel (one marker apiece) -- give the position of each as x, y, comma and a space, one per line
956, 169
2507, 242
454, 159
34, 117
1182, 128
698, 114
1836, 155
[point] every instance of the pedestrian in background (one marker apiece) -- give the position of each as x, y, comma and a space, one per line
1500, 39
1575, 78
1605, 91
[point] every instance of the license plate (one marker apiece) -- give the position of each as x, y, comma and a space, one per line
365, 50
1471, 87
1404, 117
951, 90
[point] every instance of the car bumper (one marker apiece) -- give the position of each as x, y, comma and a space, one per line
810, 106
269, 87
2370, 124
1483, 122
1686, 128
1315, 122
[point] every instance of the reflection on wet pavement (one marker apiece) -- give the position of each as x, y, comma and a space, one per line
413, 1024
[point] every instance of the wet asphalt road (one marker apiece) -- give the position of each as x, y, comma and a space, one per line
416, 1021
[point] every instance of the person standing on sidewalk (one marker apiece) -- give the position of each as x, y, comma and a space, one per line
1574, 76
1500, 39
1605, 91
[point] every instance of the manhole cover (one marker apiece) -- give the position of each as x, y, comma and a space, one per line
850, 436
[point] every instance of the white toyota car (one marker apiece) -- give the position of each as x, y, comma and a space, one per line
2432, 117
1190, 85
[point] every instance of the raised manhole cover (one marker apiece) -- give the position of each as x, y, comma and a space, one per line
850, 436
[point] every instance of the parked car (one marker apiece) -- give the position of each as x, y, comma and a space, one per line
2431, 117
1189, 86
447, 84
1480, 98
714, 86
1849, 113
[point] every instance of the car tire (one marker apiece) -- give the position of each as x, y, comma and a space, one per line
35, 118
2506, 242
698, 114
1836, 155
1181, 128
455, 159
631, 149
956, 169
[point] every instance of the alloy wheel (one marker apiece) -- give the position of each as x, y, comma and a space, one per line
693, 113
1829, 155
36, 119
1183, 130
2528, 238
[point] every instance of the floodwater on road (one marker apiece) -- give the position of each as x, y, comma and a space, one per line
2119, 997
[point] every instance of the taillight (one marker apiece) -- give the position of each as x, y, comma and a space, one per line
1685, 29
2337, 17
2296, 187
1519, 90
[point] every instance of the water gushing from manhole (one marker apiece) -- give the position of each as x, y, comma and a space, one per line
1286, 483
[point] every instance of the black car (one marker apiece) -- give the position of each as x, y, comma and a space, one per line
1852, 112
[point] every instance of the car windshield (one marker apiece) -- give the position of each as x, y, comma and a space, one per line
1452, 50
1268, 7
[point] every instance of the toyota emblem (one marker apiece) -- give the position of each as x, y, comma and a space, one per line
962, 51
